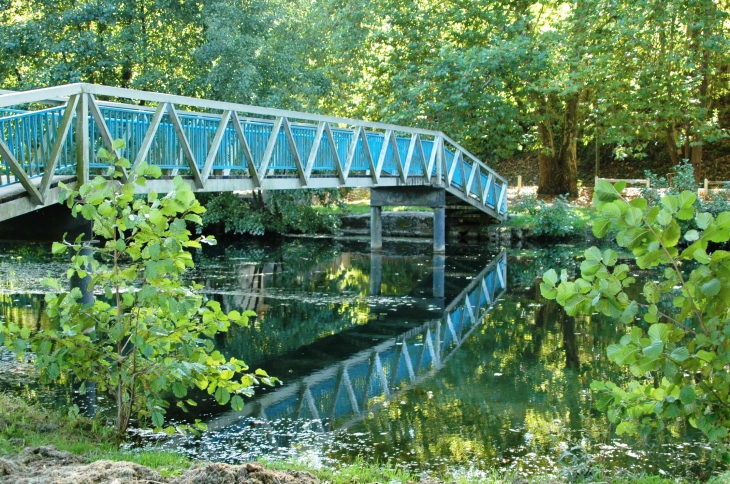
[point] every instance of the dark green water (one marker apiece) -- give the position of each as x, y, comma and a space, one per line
429, 363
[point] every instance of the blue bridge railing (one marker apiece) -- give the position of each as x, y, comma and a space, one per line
226, 148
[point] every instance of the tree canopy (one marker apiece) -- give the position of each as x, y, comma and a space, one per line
505, 78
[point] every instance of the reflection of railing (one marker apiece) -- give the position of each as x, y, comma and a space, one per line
339, 395
224, 149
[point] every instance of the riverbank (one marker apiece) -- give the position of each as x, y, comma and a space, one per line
39, 446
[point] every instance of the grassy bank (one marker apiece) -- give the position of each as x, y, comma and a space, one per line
31, 425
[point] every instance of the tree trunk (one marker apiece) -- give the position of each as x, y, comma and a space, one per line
559, 168
672, 147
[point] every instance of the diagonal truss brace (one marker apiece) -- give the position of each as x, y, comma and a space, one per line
246, 150
57, 148
187, 152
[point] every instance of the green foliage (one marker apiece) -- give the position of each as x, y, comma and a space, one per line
147, 335
285, 211
680, 361
555, 219
683, 179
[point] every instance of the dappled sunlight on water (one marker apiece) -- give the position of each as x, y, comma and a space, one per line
403, 358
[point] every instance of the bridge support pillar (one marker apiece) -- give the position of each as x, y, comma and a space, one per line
439, 272
439, 230
376, 228
417, 196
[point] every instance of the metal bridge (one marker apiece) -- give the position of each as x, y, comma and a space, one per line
53, 134
338, 396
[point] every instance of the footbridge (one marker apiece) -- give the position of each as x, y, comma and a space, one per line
53, 134
338, 396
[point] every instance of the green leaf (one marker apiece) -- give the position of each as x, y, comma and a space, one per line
604, 192
670, 235
551, 276
659, 332
701, 256
88, 211
237, 403
653, 350
626, 428
179, 389
679, 354
687, 395
58, 248
691, 235
118, 144
633, 216
671, 203
222, 396
600, 227
711, 288
703, 220
158, 420
597, 385
706, 356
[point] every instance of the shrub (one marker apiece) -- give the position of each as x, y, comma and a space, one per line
285, 211
556, 219
147, 335
680, 362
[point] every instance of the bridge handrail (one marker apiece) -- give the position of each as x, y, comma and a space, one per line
39, 95
367, 154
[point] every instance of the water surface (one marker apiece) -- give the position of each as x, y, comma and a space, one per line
431, 363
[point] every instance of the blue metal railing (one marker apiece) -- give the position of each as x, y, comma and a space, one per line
30, 136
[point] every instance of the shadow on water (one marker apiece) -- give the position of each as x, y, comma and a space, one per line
428, 362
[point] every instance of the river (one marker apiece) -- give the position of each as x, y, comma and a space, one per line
430, 363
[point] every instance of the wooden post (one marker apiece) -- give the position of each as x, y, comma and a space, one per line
707, 188
519, 184
648, 183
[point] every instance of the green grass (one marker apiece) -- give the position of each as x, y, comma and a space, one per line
23, 424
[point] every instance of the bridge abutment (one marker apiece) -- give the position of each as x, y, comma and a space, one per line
46, 224
417, 196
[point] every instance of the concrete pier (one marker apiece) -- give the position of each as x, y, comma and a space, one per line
376, 228
439, 273
418, 196
439, 230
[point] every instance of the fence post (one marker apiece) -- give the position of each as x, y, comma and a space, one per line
519, 184
707, 187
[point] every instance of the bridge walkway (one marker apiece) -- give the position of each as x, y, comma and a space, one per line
53, 134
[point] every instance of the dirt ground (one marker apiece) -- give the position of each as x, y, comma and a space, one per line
47, 465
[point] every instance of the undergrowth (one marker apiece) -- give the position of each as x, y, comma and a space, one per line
556, 219
24, 424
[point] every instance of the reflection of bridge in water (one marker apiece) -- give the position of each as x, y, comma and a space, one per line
341, 394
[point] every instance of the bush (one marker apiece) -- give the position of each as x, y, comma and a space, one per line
684, 180
285, 211
147, 335
679, 363
556, 219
